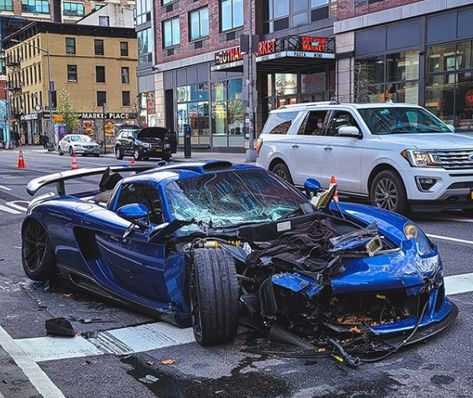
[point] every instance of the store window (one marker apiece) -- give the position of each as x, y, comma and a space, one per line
228, 114
388, 77
171, 33
143, 11
99, 47
125, 74
35, 6
284, 14
70, 45
231, 14
6, 5
286, 84
199, 23
449, 83
193, 111
145, 46
71, 73
73, 9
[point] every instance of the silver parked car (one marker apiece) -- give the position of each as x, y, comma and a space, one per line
78, 144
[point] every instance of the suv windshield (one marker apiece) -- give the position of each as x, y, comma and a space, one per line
233, 197
397, 120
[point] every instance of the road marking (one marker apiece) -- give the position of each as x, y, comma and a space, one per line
457, 219
468, 242
30, 368
456, 284
15, 205
5, 188
8, 210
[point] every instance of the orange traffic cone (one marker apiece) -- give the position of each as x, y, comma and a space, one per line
333, 181
21, 161
74, 165
132, 162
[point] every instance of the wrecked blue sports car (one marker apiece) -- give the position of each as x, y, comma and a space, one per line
215, 244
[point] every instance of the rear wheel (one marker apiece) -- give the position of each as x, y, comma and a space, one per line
387, 192
118, 153
37, 254
214, 293
281, 170
71, 151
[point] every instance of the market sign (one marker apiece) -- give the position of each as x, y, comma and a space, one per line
266, 47
108, 115
313, 44
228, 56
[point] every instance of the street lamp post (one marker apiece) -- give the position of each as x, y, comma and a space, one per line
50, 83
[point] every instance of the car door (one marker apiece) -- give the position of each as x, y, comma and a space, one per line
341, 156
132, 263
307, 147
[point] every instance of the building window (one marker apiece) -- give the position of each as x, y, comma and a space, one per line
449, 83
125, 74
143, 11
285, 14
71, 73
73, 9
124, 49
125, 98
104, 20
6, 5
70, 45
199, 23
231, 14
101, 98
98, 47
35, 6
145, 45
171, 32
391, 77
100, 74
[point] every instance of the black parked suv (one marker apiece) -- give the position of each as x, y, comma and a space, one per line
145, 143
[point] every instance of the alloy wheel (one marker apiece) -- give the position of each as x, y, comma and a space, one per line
386, 195
281, 173
35, 242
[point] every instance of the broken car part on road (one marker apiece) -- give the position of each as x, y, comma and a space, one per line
213, 244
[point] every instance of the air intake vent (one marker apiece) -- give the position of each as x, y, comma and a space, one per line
218, 166
230, 36
170, 52
198, 44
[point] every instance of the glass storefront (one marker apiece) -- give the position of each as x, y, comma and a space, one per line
392, 77
449, 83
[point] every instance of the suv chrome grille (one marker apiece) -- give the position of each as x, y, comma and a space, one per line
454, 159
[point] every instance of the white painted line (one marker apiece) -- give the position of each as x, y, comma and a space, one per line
53, 348
457, 219
15, 205
5, 188
8, 210
30, 368
457, 284
468, 242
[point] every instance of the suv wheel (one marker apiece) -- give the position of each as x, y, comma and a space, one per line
387, 192
136, 154
281, 170
118, 153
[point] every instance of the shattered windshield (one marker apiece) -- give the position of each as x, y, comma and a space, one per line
234, 197
399, 120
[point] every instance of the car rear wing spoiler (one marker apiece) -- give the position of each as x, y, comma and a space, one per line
58, 178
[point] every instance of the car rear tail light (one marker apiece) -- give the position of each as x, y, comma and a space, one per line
259, 144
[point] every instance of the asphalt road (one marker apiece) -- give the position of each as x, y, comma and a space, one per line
439, 367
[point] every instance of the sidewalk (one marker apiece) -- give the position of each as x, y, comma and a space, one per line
179, 156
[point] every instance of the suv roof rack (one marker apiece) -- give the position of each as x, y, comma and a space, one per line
300, 104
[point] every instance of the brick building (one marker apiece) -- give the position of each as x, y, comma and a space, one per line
191, 67
408, 51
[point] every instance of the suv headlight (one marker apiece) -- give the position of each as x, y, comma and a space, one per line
145, 145
418, 158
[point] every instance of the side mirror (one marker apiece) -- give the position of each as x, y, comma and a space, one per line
451, 127
133, 211
349, 131
312, 186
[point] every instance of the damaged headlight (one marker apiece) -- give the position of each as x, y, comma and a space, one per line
424, 245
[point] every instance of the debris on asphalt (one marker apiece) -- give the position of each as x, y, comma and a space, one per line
149, 379
59, 327
150, 363
168, 361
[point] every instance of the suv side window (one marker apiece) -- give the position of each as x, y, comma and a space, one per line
340, 119
279, 123
145, 194
314, 123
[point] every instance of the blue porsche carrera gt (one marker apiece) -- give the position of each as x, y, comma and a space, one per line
208, 244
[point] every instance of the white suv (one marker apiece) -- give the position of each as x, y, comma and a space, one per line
399, 156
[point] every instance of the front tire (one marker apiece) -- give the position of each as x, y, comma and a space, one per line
282, 171
136, 154
71, 151
214, 293
118, 153
387, 192
37, 255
